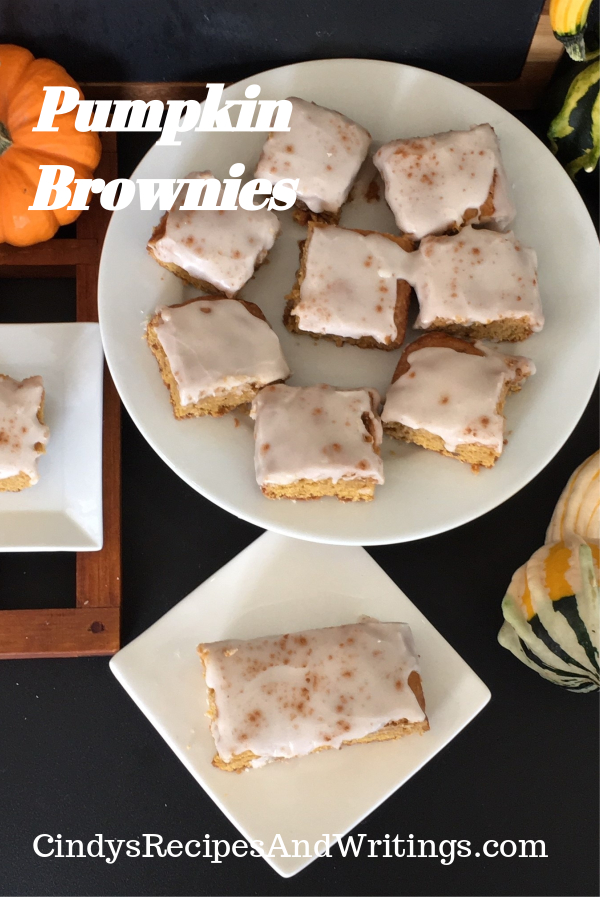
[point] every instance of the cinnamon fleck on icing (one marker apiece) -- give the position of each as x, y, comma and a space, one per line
477, 276
431, 182
222, 247
215, 345
21, 432
350, 284
455, 395
316, 433
286, 695
323, 149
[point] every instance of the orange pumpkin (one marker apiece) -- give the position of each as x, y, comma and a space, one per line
22, 151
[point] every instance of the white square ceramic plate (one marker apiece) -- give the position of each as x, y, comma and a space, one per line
280, 584
63, 511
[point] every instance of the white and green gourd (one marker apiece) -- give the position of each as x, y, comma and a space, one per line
551, 608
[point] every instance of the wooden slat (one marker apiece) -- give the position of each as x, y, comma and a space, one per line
92, 627
57, 252
40, 272
99, 573
26, 633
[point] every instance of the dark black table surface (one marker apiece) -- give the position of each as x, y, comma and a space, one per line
227, 40
77, 757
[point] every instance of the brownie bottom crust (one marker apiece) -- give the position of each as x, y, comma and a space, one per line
390, 732
304, 489
474, 454
512, 330
17, 482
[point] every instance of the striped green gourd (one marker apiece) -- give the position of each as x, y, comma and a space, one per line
574, 131
551, 614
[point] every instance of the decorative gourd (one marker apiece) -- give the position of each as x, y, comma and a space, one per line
551, 614
578, 508
568, 19
551, 608
574, 131
22, 151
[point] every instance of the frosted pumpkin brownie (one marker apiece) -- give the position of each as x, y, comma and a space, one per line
215, 250
351, 287
23, 435
448, 395
478, 284
437, 184
214, 354
324, 150
312, 442
289, 695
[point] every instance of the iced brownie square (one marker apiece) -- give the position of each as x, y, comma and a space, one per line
478, 284
214, 250
448, 395
324, 150
214, 354
437, 184
351, 287
317, 441
289, 695
23, 435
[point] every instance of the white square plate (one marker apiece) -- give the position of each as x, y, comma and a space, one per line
280, 584
63, 511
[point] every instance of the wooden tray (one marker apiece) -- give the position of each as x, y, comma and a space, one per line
92, 626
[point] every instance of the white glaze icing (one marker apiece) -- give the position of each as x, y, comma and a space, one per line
20, 428
430, 182
315, 433
349, 286
323, 149
455, 395
477, 276
222, 247
214, 346
286, 695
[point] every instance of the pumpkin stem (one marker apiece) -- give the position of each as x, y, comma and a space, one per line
5, 139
